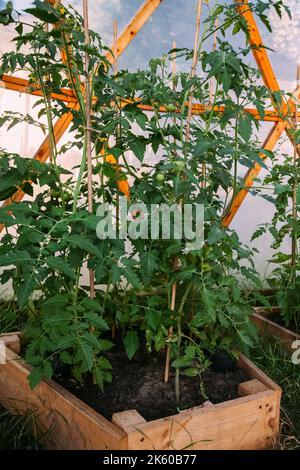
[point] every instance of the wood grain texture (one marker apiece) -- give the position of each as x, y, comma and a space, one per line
251, 387
12, 341
266, 326
240, 424
250, 422
66, 421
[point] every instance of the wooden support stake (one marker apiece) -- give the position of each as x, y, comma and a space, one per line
193, 69
251, 387
211, 94
295, 185
187, 138
173, 295
88, 130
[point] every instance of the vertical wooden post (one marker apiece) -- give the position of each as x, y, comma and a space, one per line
295, 185
174, 74
193, 69
211, 94
173, 294
214, 48
88, 130
115, 32
187, 138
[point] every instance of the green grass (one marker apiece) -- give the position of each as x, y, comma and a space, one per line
11, 317
271, 357
14, 432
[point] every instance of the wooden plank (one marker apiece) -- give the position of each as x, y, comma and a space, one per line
250, 422
12, 341
130, 31
204, 405
10, 82
67, 95
267, 327
243, 424
67, 422
251, 387
254, 372
128, 420
267, 310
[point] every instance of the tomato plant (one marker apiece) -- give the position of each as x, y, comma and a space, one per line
283, 228
51, 239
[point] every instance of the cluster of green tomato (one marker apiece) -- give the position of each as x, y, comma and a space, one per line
178, 164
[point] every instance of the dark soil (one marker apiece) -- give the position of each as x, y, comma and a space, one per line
138, 384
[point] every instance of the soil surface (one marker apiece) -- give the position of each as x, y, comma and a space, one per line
138, 384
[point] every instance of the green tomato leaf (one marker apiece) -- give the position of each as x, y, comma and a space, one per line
131, 342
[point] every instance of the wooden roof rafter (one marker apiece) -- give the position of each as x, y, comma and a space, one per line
68, 96
269, 77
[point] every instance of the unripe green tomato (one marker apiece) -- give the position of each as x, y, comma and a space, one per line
55, 194
206, 267
67, 196
160, 177
207, 250
171, 108
180, 164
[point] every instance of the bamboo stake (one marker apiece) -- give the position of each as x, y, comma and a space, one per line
187, 138
174, 71
214, 48
211, 94
115, 51
118, 130
295, 185
88, 131
193, 70
173, 294
115, 26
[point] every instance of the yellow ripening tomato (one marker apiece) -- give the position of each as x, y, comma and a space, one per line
123, 187
110, 159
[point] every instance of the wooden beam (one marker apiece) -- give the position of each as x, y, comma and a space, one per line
22, 85
285, 109
260, 54
130, 31
251, 387
67, 95
61, 420
267, 327
269, 144
262, 59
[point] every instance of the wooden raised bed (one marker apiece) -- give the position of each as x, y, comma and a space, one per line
262, 318
248, 422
